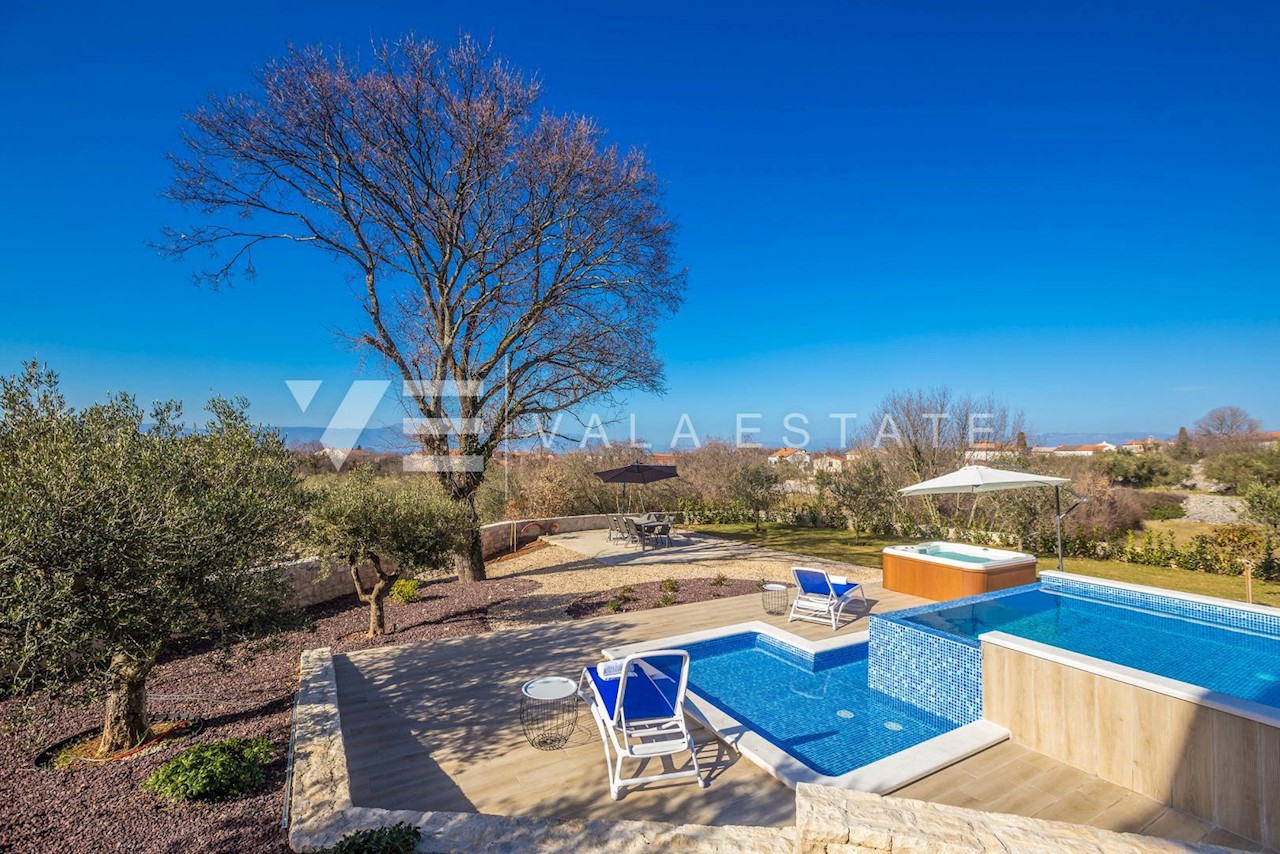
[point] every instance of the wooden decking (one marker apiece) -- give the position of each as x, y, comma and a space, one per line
435, 726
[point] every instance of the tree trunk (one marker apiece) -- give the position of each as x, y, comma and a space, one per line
469, 562
376, 596
125, 723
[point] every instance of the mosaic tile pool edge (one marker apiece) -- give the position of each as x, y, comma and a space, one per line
1206, 612
926, 669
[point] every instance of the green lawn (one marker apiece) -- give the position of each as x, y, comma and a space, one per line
839, 545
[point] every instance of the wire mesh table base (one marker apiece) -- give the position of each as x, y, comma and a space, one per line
774, 598
549, 712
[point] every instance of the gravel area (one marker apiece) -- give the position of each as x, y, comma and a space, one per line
565, 575
1217, 509
649, 595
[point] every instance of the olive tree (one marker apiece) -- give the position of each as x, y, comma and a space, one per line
511, 264
120, 531
399, 526
756, 486
1263, 504
864, 493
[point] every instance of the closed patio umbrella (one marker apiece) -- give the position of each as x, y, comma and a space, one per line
636, 473
974, 479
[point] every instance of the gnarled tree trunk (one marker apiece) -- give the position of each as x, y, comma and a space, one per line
125, 723
376, 596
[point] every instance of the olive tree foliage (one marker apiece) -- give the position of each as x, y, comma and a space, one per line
493, 243
864, 493
1263, 504
121, 531
757, 487
399, 526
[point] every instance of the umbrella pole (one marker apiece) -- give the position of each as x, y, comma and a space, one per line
1057, 517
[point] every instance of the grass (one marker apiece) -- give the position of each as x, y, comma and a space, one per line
1182, 529
839, 545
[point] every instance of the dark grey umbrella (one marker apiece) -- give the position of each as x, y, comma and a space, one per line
636, 473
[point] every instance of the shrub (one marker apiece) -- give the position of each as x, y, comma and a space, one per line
670, 585
626, 594
401, 838
405, 591
613, 606
666, 599
211, 772
720, 580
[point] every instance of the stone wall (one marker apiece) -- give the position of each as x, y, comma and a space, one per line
502, 537
828, 821
840, 821
315, 581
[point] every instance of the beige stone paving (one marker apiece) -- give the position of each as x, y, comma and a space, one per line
570, 565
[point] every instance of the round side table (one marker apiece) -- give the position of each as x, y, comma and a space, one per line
549, 711
775, 598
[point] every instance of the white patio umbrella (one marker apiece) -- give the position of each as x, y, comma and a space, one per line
971, 479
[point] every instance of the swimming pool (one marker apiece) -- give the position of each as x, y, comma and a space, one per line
1236, 661
817, 708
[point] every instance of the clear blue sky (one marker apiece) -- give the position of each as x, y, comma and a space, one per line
1073, 206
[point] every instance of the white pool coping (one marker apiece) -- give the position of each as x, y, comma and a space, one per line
880, 777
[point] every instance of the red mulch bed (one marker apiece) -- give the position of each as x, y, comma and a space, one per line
104, 809
649, 595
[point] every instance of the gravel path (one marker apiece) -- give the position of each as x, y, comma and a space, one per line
566, 575
1217, 509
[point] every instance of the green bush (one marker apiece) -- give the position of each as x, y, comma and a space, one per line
670, 585
720, 580
405, 591
1162, 512
613, 606
399, 838
211, 772
666, 600
626, 594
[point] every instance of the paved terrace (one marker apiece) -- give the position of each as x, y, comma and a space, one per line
435, 726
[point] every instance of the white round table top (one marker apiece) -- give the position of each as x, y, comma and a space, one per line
773, 586
549, 688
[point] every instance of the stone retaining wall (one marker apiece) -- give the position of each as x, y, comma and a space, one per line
502, 537
828, 821
315, 580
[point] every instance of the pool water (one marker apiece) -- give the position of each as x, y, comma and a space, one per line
960, 556
818, 709
1241, 663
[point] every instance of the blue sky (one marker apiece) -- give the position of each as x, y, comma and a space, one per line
1074, 207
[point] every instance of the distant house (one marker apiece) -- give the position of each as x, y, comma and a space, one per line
796, 456
985, 452
832, 463
1083, 450
663, 459
1266, 440
1143, 446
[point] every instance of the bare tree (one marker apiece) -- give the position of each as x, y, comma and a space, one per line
1227, 422
507, 250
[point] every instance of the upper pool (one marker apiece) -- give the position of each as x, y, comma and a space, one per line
817, 708
1232, 661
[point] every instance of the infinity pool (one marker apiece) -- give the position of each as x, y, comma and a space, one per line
817, 708
1237, 662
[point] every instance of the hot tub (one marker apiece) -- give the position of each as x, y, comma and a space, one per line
941, 570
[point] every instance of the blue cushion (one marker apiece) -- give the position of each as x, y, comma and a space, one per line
812, 582
841, 589
641, 701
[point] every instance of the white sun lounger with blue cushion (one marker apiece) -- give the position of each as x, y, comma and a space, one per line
638, 706
820, 598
